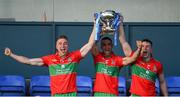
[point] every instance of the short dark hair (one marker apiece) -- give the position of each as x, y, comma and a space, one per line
106, 38
62, 37
147, 40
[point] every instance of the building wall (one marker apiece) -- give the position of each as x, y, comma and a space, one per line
82, 10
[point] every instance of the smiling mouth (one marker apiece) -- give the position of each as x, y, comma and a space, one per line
144, 53
63, 50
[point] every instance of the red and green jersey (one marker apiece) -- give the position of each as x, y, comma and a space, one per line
144, 75
62, 72
107, 72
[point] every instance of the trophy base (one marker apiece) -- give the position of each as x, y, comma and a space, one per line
107, 30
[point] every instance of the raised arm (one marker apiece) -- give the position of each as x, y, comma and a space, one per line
95, 50
22, 59
124, 44
87, 47
163, 86
128, 60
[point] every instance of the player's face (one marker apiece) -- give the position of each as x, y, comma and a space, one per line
62, 46
106, 46
146, 49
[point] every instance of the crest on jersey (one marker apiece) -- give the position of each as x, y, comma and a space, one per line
113, 62
69, 59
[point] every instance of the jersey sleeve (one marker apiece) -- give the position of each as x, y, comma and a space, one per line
97, 58
119, 60
132, 53
159, 68
45, 60
77, 55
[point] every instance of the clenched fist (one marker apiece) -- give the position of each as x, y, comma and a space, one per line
7, 52
139, 44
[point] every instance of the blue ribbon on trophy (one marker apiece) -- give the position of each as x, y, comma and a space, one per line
116, 26
98, 28
107, 22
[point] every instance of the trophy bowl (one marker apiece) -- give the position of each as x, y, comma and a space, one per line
107, 18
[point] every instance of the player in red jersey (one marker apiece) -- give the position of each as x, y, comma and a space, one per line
62, 65
107, 67
145, 70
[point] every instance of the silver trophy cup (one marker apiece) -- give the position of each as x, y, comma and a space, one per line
107, 19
